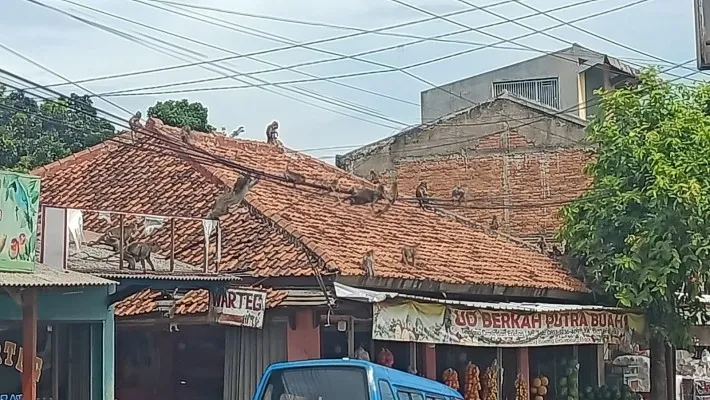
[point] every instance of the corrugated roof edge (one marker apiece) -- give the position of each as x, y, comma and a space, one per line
47, 276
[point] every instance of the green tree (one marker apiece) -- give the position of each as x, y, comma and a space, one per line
34, 134
642, 231
181, 113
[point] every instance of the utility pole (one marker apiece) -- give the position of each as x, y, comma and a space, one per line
702, 33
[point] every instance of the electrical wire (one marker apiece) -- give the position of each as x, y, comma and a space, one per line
373, 31
172, 151
300, 92
386, 68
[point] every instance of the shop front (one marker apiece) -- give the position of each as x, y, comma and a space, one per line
495, 351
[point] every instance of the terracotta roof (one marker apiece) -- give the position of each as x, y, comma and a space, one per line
282, 225
193, 302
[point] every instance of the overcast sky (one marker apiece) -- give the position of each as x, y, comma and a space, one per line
661, 28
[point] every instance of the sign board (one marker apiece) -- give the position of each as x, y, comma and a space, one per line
19, 208
239, 307
437, 323
702, 33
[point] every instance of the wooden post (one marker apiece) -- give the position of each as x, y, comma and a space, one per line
218, 257
430, 361
172, 244
120, 243
524, 364
29, 343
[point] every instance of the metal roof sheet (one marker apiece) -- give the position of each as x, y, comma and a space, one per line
371, 296
47, 276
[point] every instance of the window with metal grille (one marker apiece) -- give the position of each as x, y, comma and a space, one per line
543, 91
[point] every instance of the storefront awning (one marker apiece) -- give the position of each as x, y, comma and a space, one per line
409, 318
370, 296
47, 276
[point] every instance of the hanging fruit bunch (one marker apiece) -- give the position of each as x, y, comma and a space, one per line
539, 387
473, 382
522, 390
451, 378
490, 382
385, 358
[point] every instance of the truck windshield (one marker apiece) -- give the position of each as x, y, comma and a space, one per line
317, 383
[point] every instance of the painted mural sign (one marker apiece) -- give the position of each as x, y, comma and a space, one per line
437, 323
11, 357
238, 307
19, 208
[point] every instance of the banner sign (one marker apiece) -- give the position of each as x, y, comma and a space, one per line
239, 307
437, 323
19, 208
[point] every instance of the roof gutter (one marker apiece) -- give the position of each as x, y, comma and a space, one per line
395, 284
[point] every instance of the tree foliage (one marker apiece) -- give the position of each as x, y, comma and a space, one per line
181, 113
34, 134
643, 228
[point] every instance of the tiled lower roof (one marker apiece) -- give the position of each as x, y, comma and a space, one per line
193, 302
286, 231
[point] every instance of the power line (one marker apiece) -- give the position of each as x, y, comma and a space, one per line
331, 39
387, 69
231, 52
301, 101
588, 32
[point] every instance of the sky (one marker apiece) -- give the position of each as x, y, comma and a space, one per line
320, 117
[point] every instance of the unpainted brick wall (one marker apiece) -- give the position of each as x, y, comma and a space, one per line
524, 189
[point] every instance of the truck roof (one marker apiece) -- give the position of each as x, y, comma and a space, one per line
395, 377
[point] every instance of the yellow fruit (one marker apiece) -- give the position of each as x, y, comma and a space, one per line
533, 390
542, 391
537, 382
538, 398
545, 381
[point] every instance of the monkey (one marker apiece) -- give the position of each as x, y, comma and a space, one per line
409, 255
185, 134
232, 197
368, 263
237, 132
494, 223
422, 194
392, 197
362, 196
542, 244
272, 133
394, 191
112, 236
458, 194
556, 252
139, 251
135, 123
373, 177
293, 177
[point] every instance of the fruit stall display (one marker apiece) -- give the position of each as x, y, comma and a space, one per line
490, 382
451, 378
568, 380
522, 391
473, 382
538, 388
605, 392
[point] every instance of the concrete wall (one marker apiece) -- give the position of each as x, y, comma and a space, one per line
438, 102
499, 165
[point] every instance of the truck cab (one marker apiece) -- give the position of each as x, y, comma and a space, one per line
346, 379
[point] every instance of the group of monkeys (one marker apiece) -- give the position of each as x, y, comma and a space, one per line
133, 250
409, 257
